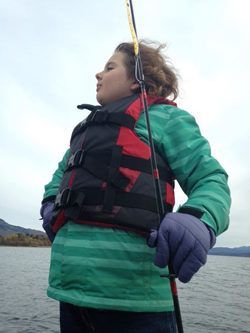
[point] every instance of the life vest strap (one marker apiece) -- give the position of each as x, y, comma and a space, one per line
103, 117
95, 196
98, 164
95, 165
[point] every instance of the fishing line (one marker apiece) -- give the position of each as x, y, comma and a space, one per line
160, 208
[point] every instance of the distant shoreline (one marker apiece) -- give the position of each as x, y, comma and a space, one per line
229, 255
40, 246
242, 251
18, 239
11, 235
43, 242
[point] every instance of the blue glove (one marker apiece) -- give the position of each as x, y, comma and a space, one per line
47, 211
183, 240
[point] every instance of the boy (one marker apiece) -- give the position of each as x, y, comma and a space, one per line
111, 248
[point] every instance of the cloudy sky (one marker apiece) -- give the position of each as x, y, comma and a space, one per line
50, 51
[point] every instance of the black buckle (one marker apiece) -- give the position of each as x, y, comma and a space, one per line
76, 159
63, 198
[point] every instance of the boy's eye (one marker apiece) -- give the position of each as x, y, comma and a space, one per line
109, 68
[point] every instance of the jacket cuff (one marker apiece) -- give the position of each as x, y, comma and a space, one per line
51, 198
191, 211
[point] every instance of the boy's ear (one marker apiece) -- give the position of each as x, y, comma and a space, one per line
134, 86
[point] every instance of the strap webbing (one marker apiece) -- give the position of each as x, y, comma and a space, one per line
98, 164
95, 196
110, 193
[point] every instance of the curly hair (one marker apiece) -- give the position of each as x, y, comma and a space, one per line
160, 77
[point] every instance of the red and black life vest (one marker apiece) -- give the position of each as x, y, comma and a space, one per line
108, 180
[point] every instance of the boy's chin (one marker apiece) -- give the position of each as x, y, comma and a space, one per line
99, 100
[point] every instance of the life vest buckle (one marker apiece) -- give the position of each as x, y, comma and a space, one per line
63, 198
77, 158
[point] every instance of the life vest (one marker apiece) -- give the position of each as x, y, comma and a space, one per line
108, 181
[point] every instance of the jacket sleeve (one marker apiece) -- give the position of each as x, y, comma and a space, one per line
200, 175
52, 187
178, 139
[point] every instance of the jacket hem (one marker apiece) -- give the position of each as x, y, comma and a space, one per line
114, 304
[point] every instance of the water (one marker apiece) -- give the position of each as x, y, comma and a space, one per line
218, 297
216, 300
25, 307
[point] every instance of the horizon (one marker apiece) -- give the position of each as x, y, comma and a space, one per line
215, 247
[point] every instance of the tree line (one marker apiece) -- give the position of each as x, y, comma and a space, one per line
18, 239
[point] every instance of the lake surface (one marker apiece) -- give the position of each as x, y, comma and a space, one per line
216, 300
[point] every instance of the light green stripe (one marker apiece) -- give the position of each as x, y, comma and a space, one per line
107, 245
182, 150
105, 281
86, 232
105, 263
136, 257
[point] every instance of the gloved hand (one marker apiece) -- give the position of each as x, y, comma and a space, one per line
183, 240
46, 212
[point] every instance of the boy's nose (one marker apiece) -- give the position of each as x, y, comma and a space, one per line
98, 76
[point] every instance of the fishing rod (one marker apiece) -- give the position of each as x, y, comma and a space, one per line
139, 75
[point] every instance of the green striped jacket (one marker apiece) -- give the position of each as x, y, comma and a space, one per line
107, 268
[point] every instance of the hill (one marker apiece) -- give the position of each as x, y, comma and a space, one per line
243, 251
12, 235
8, 229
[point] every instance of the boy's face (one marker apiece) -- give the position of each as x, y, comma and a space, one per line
113, 82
